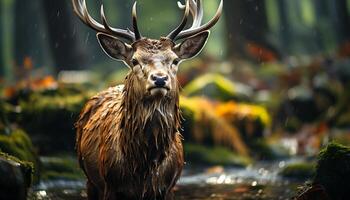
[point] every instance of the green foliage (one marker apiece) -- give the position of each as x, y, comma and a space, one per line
200, 154
18, 144
49, 117
262, 150
333, 170
61, 167
53, 175
299, 170
214, 86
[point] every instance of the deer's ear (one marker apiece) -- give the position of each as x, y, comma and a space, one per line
191, 46
114, 47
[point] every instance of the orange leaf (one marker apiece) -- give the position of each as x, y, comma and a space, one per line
28, 63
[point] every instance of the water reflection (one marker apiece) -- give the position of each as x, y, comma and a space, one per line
260, 181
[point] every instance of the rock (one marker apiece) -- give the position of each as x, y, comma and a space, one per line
214, 155
263, 150
49, 119
333, 171
299, 171
15, 179
216, 86
18, 144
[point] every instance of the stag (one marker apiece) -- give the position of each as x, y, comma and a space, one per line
128, 139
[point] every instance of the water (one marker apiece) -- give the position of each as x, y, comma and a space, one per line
260, 181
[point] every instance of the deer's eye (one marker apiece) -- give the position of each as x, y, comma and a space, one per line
134, 62
176, 62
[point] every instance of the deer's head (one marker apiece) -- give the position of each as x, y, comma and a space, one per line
153, 62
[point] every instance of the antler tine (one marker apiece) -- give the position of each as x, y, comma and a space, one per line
81, 10
197, 27
126, 34
199, 15
172, 35
196, 10
134, 22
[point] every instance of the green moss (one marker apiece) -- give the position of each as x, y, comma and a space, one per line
262, 150
333, 170
50, 119
53, 175
27, 168
199, 154
19, 145
299, 170
40, 103
62, 167
215, 86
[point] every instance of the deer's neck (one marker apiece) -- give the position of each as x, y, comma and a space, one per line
148, 124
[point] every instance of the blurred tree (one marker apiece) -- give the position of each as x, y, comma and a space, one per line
246, 22
333, 25
284, 24
30, 36
63, 42
124, 13
342, 20
6, 60
321, 14
2, 71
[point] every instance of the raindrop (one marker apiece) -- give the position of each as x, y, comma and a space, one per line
87, 38
281, 164
254, 183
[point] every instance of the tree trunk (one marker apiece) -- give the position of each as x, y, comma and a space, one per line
6, 47
2, 64
30, 35
63, 41
322, 14
284, 26
246, 21
235, 38
342, 21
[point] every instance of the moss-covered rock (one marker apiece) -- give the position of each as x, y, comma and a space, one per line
16, 177
19, 145
203, 125
261, 149
217, 87
333, 171
251, 120
300, 170
49, 118
205, 155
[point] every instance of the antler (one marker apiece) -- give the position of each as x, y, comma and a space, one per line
80, 9
196, 10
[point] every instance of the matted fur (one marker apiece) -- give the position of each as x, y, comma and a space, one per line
129, 141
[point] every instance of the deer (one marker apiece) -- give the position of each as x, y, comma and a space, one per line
127, 136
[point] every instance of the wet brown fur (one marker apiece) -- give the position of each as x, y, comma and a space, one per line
128, 141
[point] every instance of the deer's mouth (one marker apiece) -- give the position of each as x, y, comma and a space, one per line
158, 91
158, 88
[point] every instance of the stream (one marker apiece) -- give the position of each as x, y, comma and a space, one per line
259, 181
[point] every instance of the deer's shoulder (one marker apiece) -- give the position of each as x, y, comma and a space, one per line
103, 103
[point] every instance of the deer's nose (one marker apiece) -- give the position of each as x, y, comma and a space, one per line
159, 79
